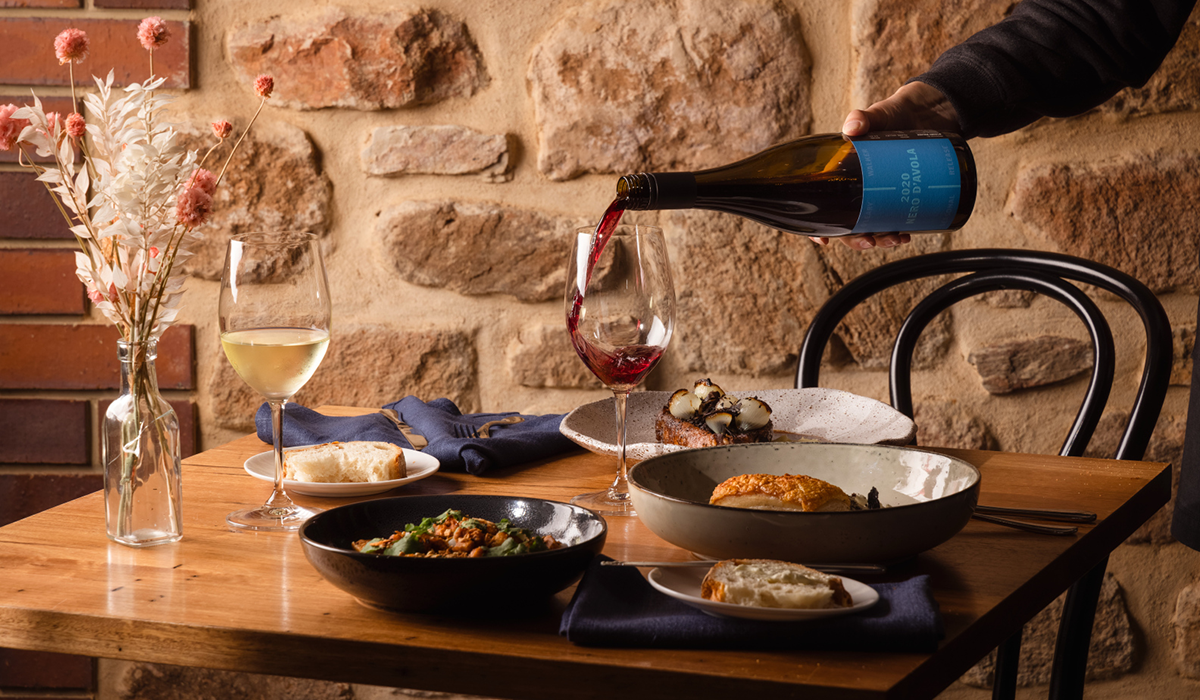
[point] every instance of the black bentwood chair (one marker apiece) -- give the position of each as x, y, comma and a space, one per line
1052, 275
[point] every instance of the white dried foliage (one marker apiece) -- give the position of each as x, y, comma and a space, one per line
130, 241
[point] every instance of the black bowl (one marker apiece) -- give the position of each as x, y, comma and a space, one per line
451, 585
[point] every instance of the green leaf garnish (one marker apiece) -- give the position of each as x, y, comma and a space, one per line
374, 545
409, 544
509, 546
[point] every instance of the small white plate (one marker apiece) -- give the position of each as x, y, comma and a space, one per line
417, 464
820, 413
684, 586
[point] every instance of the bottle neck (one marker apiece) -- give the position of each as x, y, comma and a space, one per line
657, 191
137, 364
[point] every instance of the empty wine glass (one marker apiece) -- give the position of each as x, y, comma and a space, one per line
620, 314
274, 313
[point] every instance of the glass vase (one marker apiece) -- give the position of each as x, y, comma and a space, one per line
140, 449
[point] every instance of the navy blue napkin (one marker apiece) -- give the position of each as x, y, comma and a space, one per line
614, 606
452, 442
304, 426
450, 433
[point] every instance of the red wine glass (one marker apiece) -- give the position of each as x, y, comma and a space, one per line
620, 315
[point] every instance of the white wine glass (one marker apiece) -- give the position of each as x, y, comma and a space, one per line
274, 314
620, 314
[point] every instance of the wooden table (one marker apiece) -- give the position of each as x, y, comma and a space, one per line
251, 602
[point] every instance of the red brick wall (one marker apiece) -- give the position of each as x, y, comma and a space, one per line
27, 53
58, 361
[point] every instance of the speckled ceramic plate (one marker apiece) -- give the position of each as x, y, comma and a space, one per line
419, 465
824, 415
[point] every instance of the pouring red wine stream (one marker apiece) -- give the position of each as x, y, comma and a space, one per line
625, 366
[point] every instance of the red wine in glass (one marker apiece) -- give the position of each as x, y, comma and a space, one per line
620, 321
627, 365
624, 367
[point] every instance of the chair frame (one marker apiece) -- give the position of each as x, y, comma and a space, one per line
1045, 273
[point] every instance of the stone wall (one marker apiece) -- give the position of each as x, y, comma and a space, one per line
443, 149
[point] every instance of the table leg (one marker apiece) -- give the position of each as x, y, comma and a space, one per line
1075, 635
1008, 659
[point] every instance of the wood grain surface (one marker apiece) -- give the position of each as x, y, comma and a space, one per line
251, 601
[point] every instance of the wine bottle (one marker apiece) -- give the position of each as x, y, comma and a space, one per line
829, 185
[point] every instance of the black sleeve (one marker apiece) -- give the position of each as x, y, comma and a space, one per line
1055, 58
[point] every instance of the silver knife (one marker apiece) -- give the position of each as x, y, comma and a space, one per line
828, 568
1068, 516
417, 441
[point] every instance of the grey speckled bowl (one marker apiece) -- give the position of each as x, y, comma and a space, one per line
929, 497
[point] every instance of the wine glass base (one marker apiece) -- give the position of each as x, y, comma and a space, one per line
267, 519
606, 502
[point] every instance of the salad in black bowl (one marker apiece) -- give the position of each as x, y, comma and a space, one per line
453, 553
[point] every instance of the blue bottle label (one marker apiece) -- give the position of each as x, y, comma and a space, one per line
909, 184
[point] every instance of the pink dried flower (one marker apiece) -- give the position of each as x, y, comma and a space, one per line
204, 179
10, 129
75, 125
263, 86
193, 207
152, 32
222, 129
71, 45
98, 296
52, 121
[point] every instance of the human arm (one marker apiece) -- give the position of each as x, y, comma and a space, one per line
1052, 58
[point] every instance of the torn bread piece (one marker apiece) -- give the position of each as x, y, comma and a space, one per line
768, 583
345, 462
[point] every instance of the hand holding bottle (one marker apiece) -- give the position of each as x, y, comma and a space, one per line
914, 106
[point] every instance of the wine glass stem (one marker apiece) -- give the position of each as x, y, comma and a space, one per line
620, 484
279, 498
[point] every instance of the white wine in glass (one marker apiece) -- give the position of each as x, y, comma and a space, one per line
276, 362
275, 313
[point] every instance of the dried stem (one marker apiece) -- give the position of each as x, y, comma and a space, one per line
71, 73
239, 141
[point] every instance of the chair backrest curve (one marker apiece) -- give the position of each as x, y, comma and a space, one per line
1039, 271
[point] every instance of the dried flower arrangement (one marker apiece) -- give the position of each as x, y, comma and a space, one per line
135, 198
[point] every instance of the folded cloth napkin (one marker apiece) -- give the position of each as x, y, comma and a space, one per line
452, 440
450, 433
615, 607
304, 426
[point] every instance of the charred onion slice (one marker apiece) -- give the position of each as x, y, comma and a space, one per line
704, 387
752, 414
719, 422
683, 404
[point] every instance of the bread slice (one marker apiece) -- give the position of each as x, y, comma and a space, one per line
768, 583
344, 462
669, 430
780, 492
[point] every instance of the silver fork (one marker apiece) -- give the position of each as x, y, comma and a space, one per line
1022, 525
483, 431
